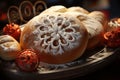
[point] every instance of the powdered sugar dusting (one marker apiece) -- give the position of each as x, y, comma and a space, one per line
114, 24
56, 34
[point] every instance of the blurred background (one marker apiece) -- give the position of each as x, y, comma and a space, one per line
109, 7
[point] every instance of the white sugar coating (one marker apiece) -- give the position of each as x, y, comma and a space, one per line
58, 8
79, 15
114, 24
97, 15
54, 34
8, 47
5, 38
77, 9
93, 26
6, 43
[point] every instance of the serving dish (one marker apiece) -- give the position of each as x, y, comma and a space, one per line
91, 61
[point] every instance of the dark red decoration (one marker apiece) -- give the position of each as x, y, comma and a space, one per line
112, 38
28, 60
12, 30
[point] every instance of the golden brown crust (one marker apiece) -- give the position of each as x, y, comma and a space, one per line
67, 44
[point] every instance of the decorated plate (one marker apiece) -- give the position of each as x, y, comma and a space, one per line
91, 61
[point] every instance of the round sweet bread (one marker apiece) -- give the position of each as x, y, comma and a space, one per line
58, 37
9, 47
